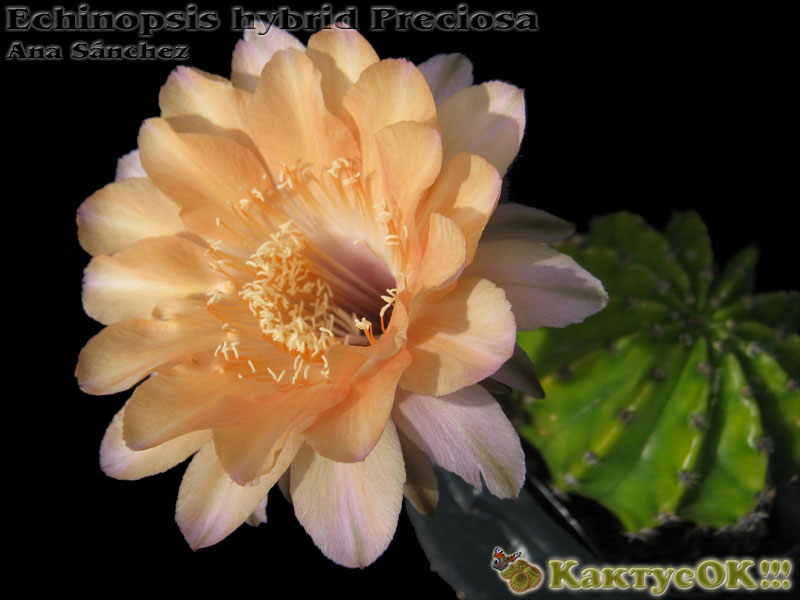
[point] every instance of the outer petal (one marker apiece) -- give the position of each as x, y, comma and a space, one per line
486, 119
468, 434
259, 514
348, 431
387, 92
511, 221
211, 505
255, 50
421, 487
288, 117
411, 158
123, 353
466, 191
129, 166
545, 287
341, 54
130, 283
350, 510
519, 373
197, 102
124, 212
120, 462
447, 74
460, 339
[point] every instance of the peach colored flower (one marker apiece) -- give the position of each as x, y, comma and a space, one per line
291, 260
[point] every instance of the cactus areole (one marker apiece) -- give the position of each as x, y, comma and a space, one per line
680, 399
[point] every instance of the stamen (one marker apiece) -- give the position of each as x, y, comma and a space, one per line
288, 297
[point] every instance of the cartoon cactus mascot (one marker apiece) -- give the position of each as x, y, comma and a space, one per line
680, 399
522, 576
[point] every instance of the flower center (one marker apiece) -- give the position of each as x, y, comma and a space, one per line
324, 239
292, 303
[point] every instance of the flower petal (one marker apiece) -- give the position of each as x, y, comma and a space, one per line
132, 281
172, 404
288, 117
512, 221
255, 49
340, 54
411, 158
129, 166
519, 373
124, 212
348, 431
120, 462
466, 191
211, 505
126, 351
486, 119
259, 514
387, 92
354, 519
447, 74
206, 176
252, 425
467, 433
443, 258
545, 287
421, 488
194, 101
459, 339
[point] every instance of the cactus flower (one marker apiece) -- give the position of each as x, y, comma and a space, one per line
291, 263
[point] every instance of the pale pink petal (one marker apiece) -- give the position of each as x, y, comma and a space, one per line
447, 74
259, 514
511, 221
545, 288
126, 351
467, 433
519, 373
421, 488
129, 166
459, 339
211, 505
120, 462
487, 120
255, 50
350, 510
132, 281
124, 212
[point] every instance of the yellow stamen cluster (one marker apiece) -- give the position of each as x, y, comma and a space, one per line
292, 303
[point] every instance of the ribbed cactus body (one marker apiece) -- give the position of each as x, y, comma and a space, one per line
680, 399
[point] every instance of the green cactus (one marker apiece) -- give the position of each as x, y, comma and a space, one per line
680, 399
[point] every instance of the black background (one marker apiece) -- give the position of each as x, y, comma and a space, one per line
647, 109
